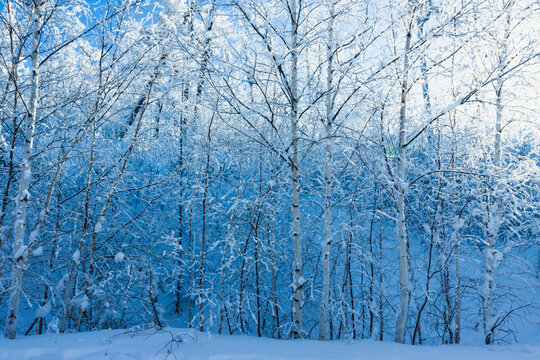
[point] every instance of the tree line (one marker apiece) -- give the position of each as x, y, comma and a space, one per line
288, 168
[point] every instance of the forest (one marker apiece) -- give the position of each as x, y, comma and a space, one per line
314, 169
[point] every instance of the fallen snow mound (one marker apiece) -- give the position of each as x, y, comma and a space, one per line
187, 344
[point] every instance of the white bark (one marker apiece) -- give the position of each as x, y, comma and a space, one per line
457, 222
457, 335
298, 280
327, 241
491, 255
20, 252
455, 239
493, 224
401, 223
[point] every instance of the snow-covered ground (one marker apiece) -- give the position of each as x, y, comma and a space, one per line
188, 344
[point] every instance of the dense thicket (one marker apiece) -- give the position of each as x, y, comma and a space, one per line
307, 168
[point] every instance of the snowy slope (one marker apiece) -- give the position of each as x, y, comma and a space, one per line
151, 344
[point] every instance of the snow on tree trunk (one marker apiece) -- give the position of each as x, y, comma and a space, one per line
492, 256
298, 280
327, 241
401, 222
204, 224
20, 257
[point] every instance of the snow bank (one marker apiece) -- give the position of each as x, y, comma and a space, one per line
192, 345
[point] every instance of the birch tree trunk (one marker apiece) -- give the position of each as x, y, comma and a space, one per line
204, 221
20, 254
16, 53
455, 237
272, 247
492, 256
298, 280
456, 221
401, 222
327, 241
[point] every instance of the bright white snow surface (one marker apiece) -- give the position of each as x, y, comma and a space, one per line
153, 344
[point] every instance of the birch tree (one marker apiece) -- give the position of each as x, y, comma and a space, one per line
401, 188
327, 241
20, 250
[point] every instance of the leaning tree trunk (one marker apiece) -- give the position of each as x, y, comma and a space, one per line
20, 254
4, 147
323, 316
